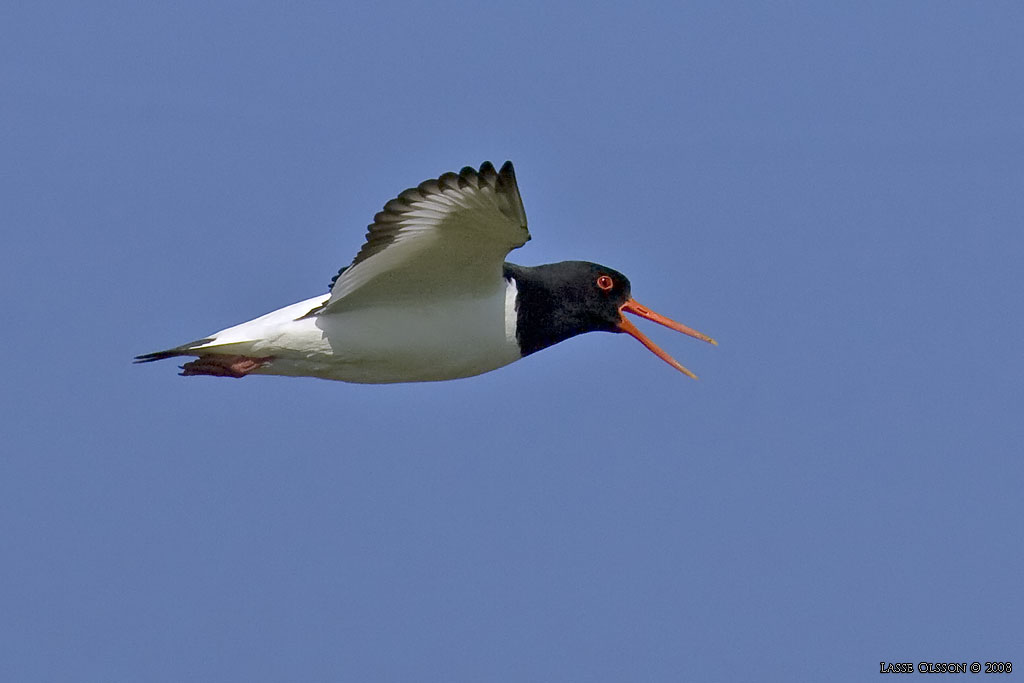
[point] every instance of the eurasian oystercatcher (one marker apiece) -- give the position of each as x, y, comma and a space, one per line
430, 297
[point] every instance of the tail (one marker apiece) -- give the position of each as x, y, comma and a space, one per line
189, 349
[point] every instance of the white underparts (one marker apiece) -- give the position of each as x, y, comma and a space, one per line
407, 341
511, 314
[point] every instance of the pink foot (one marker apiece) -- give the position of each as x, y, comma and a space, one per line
223, 366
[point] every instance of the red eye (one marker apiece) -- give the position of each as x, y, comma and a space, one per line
605, 282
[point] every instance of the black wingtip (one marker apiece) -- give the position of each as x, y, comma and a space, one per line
487, 170
487, 175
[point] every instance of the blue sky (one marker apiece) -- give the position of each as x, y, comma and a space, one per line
832, 190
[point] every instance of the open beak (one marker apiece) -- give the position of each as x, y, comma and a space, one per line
631, 306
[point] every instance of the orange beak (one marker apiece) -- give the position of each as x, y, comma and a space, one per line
631, 306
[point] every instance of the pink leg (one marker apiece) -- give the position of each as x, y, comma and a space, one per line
223, 366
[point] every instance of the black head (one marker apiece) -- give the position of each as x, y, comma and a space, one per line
557, 301
580, 295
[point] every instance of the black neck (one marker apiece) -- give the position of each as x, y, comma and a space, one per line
548, 306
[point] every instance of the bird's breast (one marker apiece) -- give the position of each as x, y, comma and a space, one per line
404, 341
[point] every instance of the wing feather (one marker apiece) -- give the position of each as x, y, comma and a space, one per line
448, 235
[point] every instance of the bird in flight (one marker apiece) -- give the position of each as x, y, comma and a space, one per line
430, 297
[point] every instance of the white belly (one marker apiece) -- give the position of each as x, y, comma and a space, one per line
428, 341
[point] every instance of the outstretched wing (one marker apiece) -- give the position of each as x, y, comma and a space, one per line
445, 237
